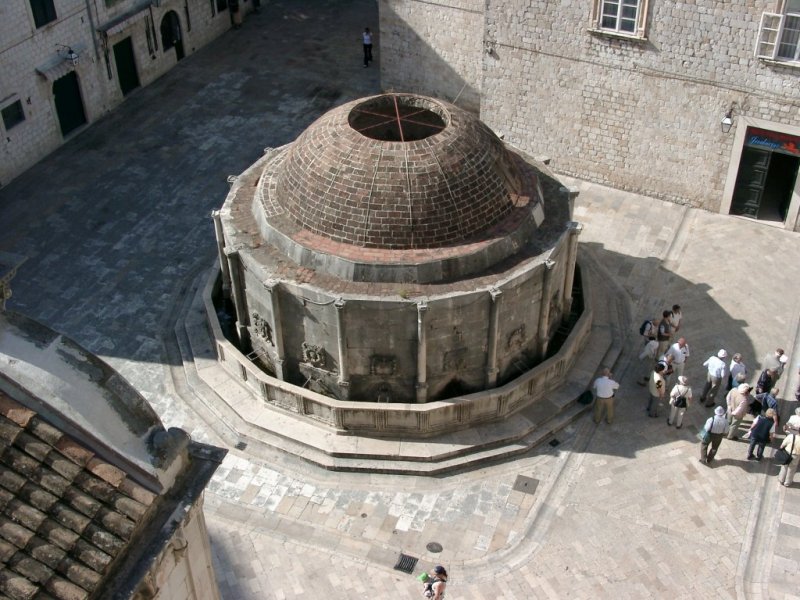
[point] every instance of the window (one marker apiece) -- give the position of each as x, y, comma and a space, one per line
779, 33
13, 115
43, 12
623, 17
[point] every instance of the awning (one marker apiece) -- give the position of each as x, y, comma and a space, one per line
55, 69
58, 65
126, 19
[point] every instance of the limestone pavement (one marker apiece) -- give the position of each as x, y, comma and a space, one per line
115, 228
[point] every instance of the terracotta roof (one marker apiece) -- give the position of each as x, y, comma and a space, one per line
65, 514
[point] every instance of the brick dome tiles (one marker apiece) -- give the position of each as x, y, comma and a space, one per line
442, 190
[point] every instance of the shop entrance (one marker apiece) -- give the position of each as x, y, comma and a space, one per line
767, 175
69, 106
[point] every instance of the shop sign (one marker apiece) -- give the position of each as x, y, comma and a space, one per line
773, 141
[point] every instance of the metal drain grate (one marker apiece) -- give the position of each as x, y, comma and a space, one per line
526, 484
241, 445
554, 442
406, 564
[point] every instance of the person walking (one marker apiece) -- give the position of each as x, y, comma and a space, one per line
657, 389
436, 584
604, 389
716, 372
761, 432
716, 426
367, 39
792, 445
739, 401
679, 399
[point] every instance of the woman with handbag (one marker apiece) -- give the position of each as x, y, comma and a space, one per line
790, 445
679, 399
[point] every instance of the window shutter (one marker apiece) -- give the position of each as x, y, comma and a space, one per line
768, 35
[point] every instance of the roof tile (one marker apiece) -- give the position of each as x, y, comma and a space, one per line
9, 430
137, 492
45, 552
37, 497
79, 575
15, 586
69, 518
33, 446
62, 465
14, 533
30, 568
81, 502
104, 540
64, 590
74, 451
44, 431
10, 480
91, 555
25, 514
15, 412
56, 534
117, 523
95, 487
106, 472
7, 551
129, 507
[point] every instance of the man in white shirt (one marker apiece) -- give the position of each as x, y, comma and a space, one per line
680, 352
717, 371
604, 389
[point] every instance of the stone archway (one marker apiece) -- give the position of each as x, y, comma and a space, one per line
171, 36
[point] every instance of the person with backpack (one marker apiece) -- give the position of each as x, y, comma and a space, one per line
435, 585
648, 330
715, 428
679, 399
761, 432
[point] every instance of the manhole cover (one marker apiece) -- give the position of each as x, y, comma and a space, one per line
406, 563
526, 484
434, 547
554, 442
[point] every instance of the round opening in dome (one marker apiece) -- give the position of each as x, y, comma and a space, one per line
394, 118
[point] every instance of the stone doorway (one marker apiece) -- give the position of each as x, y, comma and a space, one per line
171, 36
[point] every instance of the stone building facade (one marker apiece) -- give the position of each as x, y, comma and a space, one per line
695, 102
66, 63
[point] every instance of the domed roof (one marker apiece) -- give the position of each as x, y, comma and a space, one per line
397, 171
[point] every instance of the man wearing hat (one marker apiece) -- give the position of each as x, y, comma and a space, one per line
716, 426
739, 401
717, 371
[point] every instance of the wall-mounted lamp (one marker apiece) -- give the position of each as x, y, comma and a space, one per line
69, 54
727, 120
